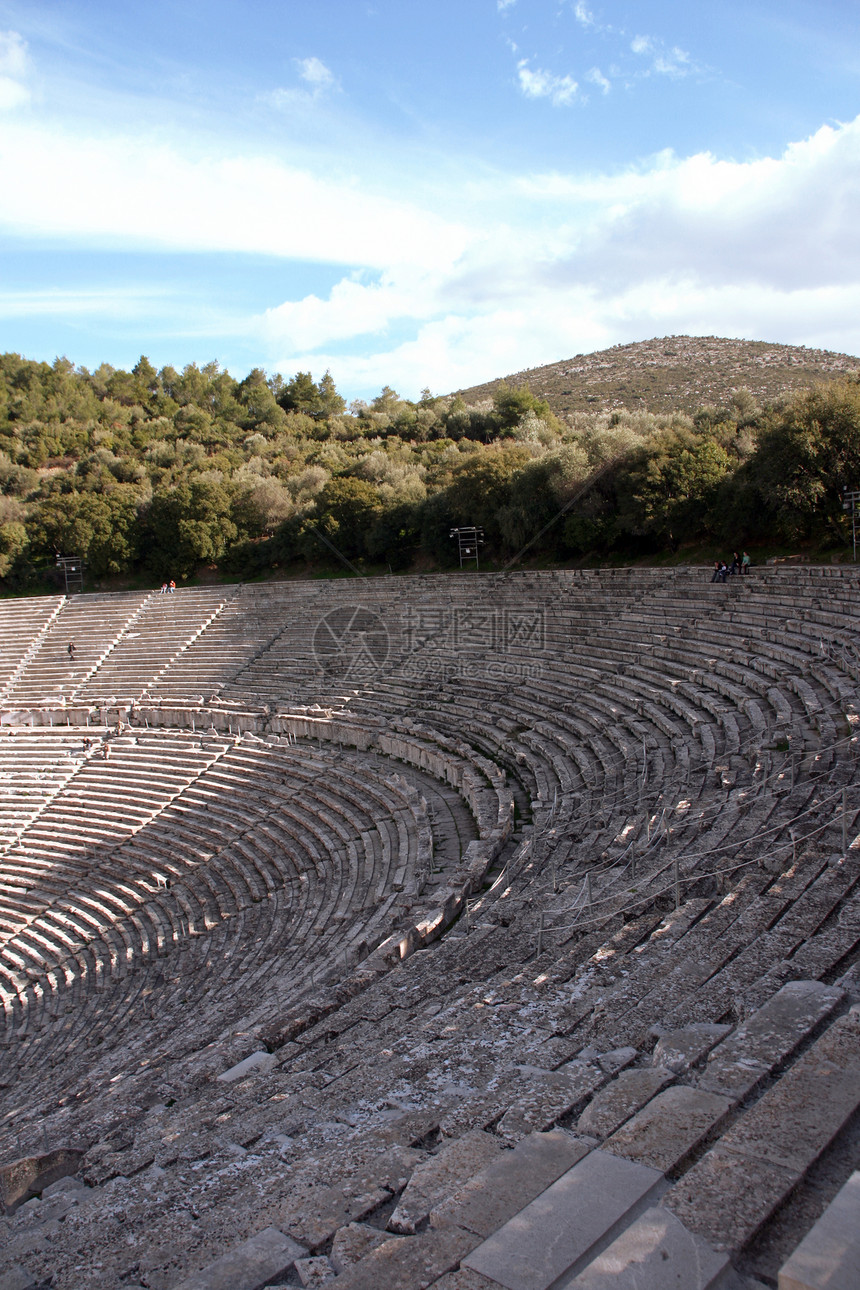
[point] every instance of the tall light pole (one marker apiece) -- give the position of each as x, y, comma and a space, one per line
850, 498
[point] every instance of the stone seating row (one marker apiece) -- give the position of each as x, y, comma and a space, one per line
22, 625
93, 625
662, 1125
487, 1001
189, 827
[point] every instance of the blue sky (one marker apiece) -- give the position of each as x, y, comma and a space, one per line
424, 194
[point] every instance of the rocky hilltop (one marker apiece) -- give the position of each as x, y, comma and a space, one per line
673, 372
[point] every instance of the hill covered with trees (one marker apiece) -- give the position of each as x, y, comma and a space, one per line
148, 474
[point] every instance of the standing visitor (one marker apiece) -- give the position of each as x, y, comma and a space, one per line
745, 563
71, 649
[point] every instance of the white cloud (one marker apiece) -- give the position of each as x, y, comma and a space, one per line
539, 84
596, 77
14, 71
463, 280
694, 244
119, 302
674, 62
315, 73
502, 5
128, 189
319, 82
583, 15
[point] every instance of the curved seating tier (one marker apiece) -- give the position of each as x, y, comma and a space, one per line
639, 788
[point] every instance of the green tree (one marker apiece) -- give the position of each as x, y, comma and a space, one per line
346, 510
189, 525
669, 487
13, 545
101, 528
807, 453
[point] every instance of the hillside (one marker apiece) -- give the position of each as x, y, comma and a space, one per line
673, 372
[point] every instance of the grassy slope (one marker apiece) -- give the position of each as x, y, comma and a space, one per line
673, 372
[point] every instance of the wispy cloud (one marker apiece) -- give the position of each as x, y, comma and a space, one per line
14, 71
537, 83
673, 62
502, 5
583, 15
596, 77
314, 72
119, 302
318, 82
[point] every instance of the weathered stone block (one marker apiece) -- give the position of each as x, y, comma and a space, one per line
409, 1262
726, 1197
315, 1271
771, 1034
32, 1174
828, 1257
436, 1178
17, 1278
654, 1253
678, 1050
557, 1231
249, 1266
353, 1242
669, 1127
257, 1062
614, 1104
502, 1189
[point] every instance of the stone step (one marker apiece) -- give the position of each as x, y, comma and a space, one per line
437, 1178
738, 1064
568, 1224
493, 1196
408, 1262
828, 1257
250, 1266
739, 1183
672, 1125
655, 1253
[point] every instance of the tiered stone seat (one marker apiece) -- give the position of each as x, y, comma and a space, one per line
165, 627
93, 624
22, 625
34, 767
228, 990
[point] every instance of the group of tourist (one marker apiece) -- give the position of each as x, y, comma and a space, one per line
168, 587
739, 564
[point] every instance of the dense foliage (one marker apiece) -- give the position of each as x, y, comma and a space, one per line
160, 472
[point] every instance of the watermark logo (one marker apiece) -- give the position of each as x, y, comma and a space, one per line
433, 644
476, 631
351, 643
